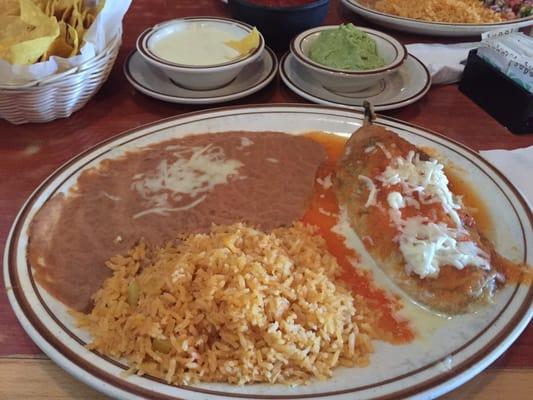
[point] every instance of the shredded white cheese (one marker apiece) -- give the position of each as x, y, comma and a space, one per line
384, 149
245, 142
369, 240
193, 172
326, 183
166, 210
427, 178
395, 200
109, 196
369, 149
426, 246
325, 212
372, 196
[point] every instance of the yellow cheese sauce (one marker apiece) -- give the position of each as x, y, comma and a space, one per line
196, 44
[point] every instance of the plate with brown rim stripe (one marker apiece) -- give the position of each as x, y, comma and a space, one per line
365, 8
446, 351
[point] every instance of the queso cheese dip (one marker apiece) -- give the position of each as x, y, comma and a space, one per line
197, 44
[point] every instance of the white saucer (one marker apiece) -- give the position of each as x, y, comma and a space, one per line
409, 84
154, 83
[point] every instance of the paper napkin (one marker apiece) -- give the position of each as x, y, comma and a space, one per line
445, 62
517, 166
510, 52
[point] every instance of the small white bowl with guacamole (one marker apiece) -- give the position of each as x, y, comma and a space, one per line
201, 53
345, 58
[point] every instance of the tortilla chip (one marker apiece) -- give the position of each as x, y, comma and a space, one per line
35, 30
88, 20
9, 8
247, 44
12, 29
73, 39
24, 39
31, 12
48, 9
60, 6
27, 52
65, 14
65, 45
76, 21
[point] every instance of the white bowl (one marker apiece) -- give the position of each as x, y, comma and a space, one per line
343, 80
198, 77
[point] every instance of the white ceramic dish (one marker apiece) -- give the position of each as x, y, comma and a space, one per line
343, 80
198, 77
443, 358
426, 27
409, 84
154, 83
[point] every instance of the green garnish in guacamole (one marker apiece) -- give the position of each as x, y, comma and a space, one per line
346, 48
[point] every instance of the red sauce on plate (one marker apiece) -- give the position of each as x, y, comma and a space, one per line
323, 213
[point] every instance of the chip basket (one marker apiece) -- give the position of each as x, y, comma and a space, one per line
60, 95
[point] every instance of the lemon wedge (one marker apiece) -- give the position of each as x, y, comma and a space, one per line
247, 44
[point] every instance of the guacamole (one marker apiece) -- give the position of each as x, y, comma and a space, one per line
347, 48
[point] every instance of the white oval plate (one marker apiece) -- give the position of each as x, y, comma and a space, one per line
428, 367
426, 27
149, 80
409, 84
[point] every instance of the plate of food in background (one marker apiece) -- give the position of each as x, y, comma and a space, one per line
256, 252
444, 18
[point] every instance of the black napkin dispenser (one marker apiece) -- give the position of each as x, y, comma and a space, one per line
500, 96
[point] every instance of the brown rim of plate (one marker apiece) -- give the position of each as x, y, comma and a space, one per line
272, 71
422, 91
514, 318
301, 56
142, 45
71, 356
489, 25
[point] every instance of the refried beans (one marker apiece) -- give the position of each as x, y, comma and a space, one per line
183, 185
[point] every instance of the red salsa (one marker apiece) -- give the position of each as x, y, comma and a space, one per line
281, 3
322, 213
